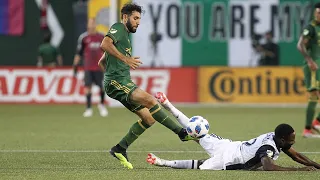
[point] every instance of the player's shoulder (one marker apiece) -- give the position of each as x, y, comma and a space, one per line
83, 35
100, 33
310, 26
117, 26
268, 139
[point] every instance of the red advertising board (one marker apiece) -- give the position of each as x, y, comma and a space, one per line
41, 85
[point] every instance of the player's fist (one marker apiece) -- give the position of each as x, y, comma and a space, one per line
133, 62
75, 70
312, 65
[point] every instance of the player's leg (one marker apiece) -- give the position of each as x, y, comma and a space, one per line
98, 80
139, 96
316, 122
164, 101
145, 121
177, 164
311, 85
120, 91
87, 88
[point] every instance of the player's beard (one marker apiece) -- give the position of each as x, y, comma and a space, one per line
130, 28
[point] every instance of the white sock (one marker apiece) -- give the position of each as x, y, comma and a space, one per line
182, 118
181, 164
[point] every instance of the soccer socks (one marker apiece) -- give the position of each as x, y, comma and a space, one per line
311, 108
181, 164
162, 117
182, 118
134, 132
102, 94
88, 96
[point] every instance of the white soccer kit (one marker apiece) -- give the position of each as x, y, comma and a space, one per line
229, 155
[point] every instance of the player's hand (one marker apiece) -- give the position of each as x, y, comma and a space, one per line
312, 65
133, 62
75, 70
309, 168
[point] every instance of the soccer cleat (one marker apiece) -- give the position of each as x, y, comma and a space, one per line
88, 113
184, 136
161, 98
102, 110
316, 125
154, 160
121, 156
307, 133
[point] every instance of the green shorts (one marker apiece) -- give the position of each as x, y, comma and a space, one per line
121, 90
311, 78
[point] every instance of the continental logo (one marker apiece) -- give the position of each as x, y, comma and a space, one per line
228, 85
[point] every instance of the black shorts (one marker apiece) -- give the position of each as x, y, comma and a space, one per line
95, 77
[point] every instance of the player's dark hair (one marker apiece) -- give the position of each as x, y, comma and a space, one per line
47, 37
283, 131
129, 8
317, 5
269, 33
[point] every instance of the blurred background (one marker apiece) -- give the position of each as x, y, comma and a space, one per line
196, 51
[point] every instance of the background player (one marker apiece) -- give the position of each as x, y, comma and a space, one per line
89, 48
49, 55
231, 155
310, 49
117, 62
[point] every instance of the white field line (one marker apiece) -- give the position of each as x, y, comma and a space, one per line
102, 151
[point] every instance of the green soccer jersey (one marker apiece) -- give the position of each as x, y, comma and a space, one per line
48, 53
115, 68
312, 32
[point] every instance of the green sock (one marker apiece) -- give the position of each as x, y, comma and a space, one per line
134, 132
311, 108
162, 117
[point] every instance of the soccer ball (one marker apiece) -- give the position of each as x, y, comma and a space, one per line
197, 127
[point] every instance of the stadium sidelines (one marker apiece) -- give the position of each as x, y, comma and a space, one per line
100, 151
235, 105
241, 105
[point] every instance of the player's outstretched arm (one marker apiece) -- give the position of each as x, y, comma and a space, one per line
303, 42
164, 101
300, 158
268, 165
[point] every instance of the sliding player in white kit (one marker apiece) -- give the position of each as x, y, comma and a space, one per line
226, 154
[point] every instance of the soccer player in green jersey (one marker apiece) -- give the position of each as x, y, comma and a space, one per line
117, 62
49, 55
309, 46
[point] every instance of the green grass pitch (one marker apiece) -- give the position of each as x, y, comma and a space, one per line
56, 142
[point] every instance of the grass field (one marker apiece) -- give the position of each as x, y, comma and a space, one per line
56, 142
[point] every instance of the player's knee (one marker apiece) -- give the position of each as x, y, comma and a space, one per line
150, 101
87, 89
313, 96
149, 121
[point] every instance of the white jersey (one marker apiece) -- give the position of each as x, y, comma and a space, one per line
227, 154
253, 150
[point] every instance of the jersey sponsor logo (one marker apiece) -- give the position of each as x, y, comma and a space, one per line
94, 45
130, 84
112, 31
128, 50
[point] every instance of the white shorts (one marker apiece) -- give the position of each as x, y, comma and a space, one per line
223, 152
